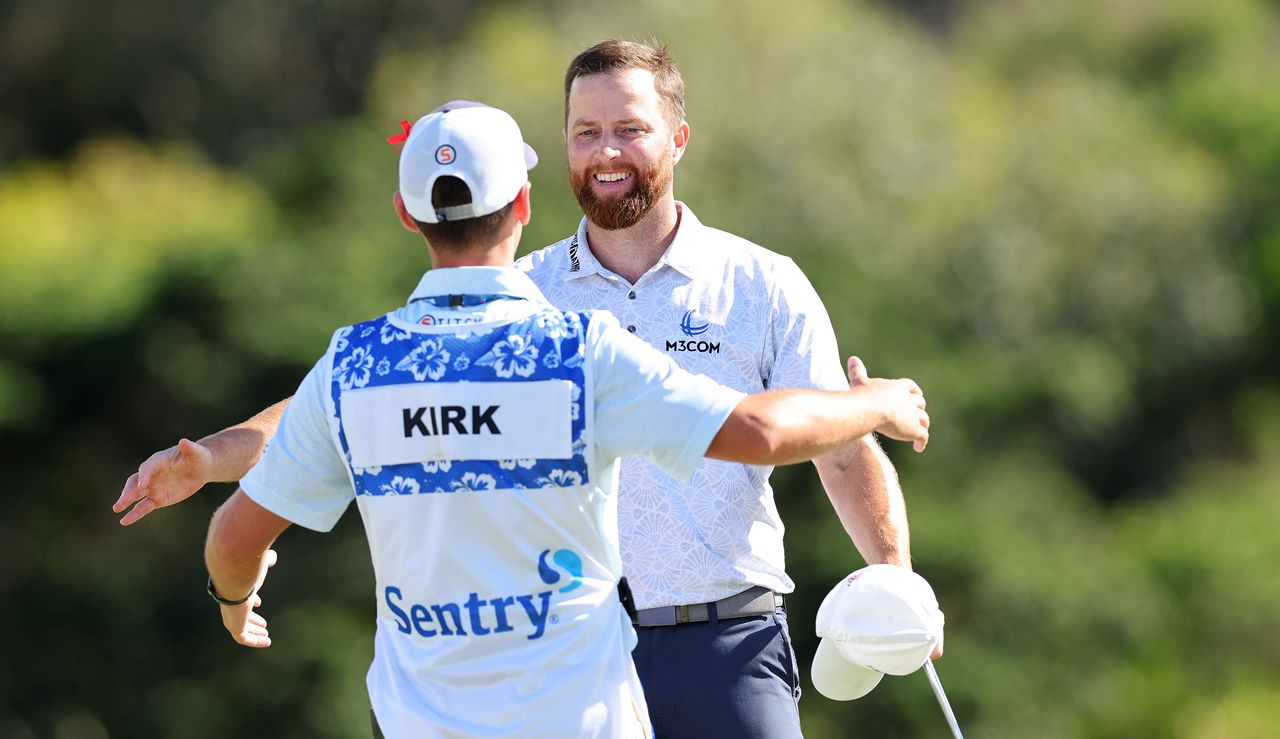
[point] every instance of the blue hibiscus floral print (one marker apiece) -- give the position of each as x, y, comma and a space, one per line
512, 356
401, 486
354, 369
564, 478
390, 333
343, 343
430, 359
472, 481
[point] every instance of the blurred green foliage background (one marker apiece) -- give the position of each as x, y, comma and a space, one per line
1063, 219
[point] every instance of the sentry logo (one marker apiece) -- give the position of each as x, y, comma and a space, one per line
569, 563
484, 616
445, 154
690, 327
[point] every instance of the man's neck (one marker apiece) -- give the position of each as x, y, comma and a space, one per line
630, 252
501, 254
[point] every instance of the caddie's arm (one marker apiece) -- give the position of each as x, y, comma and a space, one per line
238, 553
863, 488
788, 426
175, 474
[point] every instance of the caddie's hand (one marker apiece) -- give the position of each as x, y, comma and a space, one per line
246, 625
167, 477
902, 402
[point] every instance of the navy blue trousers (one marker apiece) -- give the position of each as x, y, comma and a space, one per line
736, 678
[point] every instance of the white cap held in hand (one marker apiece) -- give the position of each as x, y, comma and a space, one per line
882, 619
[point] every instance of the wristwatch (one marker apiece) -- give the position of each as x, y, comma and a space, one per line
223, 601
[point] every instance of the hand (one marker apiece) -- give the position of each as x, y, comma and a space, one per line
167, 477
902, 402
245, 625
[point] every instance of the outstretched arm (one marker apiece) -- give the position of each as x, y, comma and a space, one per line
175, 474
788, 426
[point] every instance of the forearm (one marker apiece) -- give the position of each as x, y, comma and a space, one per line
236, 449
239, 536
863, 488
789, 426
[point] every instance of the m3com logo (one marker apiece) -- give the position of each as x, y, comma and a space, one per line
692, 326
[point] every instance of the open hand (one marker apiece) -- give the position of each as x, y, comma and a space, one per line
167, 477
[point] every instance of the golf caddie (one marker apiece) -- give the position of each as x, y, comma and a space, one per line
479, 429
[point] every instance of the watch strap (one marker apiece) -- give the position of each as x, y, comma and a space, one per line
223, 601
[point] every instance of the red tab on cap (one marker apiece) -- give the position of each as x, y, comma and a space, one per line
401, 137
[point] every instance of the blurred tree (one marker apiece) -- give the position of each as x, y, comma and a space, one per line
236, 76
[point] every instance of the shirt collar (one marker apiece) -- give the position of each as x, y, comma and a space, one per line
581, 261
683, 255
686, 250
507, 281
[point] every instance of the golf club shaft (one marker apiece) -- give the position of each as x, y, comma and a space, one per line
936, 684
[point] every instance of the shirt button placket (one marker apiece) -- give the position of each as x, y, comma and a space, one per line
631, 295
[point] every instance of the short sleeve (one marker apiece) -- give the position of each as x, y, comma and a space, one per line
644, 404
302, 477
805, 352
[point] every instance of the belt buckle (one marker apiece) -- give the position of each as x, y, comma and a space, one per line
682, 614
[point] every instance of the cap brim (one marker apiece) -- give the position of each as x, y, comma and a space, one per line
839, 679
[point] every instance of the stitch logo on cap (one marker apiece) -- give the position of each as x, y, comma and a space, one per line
445, 154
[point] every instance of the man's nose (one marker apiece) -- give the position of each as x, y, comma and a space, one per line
610, 150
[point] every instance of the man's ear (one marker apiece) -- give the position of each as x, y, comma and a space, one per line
523, 205
681, 140
406, 220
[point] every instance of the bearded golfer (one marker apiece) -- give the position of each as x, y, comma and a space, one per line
704, 556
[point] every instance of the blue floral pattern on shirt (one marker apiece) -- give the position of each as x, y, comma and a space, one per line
549, 345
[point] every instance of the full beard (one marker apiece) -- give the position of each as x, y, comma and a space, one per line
625, 210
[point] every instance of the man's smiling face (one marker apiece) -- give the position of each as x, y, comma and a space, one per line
621, 149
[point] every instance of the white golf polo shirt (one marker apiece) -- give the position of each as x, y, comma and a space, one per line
748, 318
479, 431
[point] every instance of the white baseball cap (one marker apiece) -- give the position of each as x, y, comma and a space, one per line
880, 619
480, 145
